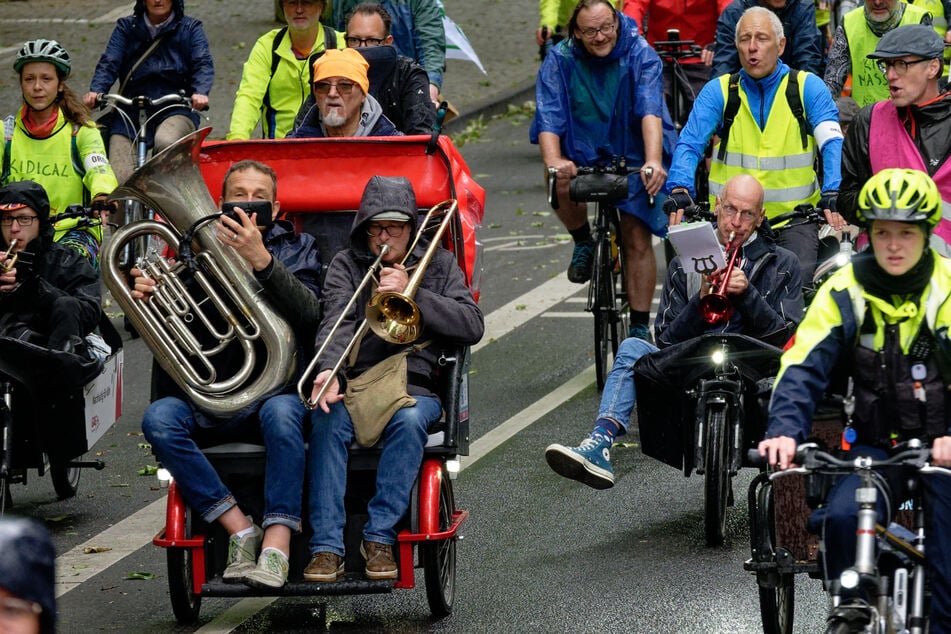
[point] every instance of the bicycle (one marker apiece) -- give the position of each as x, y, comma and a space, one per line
134, 210
885, 589
607, 293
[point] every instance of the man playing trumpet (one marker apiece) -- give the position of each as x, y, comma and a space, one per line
764, 289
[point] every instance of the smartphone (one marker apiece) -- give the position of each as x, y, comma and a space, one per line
260, 207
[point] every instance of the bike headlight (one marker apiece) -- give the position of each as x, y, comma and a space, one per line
453, 468
849, 579
718, 356
164, 477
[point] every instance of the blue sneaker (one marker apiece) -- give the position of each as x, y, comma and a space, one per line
640, 331
588, 463
582, 259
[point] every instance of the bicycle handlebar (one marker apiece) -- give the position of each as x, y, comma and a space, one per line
807, 213
141, 101
811, 458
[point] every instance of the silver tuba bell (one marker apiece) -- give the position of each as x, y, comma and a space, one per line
222, 316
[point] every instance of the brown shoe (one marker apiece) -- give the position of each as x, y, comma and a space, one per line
324, 567
380, 562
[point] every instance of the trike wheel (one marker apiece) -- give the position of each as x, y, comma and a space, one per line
777, 599
601, 300
185, 603
65, 478
716, 480
439, 558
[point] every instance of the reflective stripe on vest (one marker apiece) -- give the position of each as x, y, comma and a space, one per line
890, 145
868, 83
774, 155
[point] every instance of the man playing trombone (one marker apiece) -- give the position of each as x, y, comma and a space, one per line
764, 293
385, 228
288, 267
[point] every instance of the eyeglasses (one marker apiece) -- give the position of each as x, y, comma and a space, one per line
360, 42
343, 87
729, 211
13, 609
23, 221
394, 231
900, 65
606, 30
300, 3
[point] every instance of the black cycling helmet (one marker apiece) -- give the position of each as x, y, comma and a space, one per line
903, 195
44, 51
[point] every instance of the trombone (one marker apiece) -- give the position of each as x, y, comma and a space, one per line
394, 317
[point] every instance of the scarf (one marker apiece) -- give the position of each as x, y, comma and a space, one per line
886, 25
884, 285
38, 130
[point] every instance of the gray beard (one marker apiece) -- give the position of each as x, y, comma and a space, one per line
334, 119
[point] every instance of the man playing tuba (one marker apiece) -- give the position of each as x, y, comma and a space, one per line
288, 267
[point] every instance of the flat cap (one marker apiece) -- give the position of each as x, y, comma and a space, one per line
911, 39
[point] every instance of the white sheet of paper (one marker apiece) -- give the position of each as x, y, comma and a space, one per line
697, 245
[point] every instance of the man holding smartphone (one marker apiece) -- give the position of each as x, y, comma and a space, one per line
287, 265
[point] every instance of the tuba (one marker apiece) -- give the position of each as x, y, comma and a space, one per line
222, 316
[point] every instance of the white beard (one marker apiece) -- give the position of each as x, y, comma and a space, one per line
334, 118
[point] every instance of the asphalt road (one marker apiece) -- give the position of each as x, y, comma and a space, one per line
540, 553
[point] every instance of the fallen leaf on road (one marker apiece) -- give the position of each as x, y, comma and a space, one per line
89, 550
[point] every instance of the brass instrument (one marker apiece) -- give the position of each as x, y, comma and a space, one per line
395, 317
305, 382
9, 262
187, 326
716, 307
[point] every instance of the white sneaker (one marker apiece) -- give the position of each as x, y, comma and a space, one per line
242, 555
271, 571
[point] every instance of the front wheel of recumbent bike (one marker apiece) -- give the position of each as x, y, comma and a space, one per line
185, 603
716, 479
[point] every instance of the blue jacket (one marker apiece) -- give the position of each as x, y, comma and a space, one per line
595, 105
182, 62
769, 310
372, 122
804, 47
706, 118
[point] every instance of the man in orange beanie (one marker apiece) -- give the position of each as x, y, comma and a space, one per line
344, 107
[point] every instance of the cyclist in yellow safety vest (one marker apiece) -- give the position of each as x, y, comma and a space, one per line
780, 118
860, 32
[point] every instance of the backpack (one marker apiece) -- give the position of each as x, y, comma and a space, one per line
267, 111
733, 107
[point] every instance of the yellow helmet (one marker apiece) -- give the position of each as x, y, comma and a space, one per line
903, 195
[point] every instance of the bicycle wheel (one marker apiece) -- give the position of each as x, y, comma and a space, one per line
439, 558
777, 597
65, 479
601, 301
621, 312
186, 605
716, 480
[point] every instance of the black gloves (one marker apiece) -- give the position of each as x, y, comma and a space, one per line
827, 201
679, 199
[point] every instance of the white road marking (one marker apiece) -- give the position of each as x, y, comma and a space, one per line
233, 617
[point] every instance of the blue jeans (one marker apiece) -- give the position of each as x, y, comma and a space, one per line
282, 425
404, 438
169, 425
619, 396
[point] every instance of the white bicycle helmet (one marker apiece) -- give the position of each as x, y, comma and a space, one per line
43, 51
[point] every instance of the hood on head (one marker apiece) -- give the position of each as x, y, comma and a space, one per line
383, 195
177, 5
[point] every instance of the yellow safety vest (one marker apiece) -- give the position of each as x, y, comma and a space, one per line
774, 156
868, 83
940, 23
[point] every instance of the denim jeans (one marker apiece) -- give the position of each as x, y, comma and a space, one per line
282, 426
169, 425
803, 240
403, 440
619, 397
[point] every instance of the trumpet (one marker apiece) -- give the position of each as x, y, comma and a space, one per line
394, 317
9, 262
716, 307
